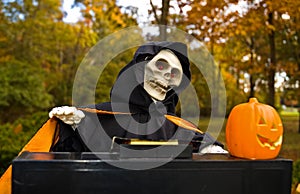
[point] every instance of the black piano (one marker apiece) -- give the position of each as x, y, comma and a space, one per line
109, 173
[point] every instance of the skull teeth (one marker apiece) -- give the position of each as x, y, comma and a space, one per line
157, 88
160, 84
157, 84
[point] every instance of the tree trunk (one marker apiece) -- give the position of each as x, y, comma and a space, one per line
238, 79
164, 19
272, 66
252, 64
252, 85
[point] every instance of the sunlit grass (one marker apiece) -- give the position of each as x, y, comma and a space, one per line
290, 113
291, 142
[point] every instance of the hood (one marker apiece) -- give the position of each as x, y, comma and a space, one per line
128, 88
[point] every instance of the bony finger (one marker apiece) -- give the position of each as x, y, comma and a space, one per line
77, 120
53, 112
50, 114
59, 111
62, 117
79, 114
69, 110
69, 122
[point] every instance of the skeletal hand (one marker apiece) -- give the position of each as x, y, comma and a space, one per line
213, 149
68, 114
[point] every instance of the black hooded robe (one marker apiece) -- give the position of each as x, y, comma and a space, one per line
137, 115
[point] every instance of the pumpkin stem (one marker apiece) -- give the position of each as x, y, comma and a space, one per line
253, 100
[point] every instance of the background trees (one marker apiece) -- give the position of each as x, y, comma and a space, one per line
39, 56
254, 36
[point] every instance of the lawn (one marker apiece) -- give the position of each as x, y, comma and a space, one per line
291, 144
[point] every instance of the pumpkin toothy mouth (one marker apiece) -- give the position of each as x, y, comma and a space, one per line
266, 142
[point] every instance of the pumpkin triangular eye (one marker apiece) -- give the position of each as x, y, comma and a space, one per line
261, 121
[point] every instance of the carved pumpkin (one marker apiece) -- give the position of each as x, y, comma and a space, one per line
254, 131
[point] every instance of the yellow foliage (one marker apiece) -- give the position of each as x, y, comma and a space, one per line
18, 129
271, 27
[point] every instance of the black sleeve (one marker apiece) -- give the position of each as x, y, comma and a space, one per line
69, 140
204, 140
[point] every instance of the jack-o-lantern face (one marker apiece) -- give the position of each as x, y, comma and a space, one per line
269, 135
254, 130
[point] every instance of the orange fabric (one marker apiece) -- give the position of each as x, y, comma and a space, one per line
183, 123
41, 142
102, 111
176, 120
5, 181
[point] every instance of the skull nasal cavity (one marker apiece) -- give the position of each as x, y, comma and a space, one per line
168, 75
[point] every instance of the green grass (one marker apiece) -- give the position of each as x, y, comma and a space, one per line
291, 142
289, 113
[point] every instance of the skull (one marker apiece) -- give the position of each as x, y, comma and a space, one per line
162, 73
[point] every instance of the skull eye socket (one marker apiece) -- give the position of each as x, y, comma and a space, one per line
174, 73
161, 64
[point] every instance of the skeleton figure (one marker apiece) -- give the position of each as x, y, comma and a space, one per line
158, 72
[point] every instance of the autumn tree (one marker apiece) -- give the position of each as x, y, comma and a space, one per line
288, 51
23, 80
258, 26
262, 25
104, 17
245, 47
208, 21
163, 19
39, 57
